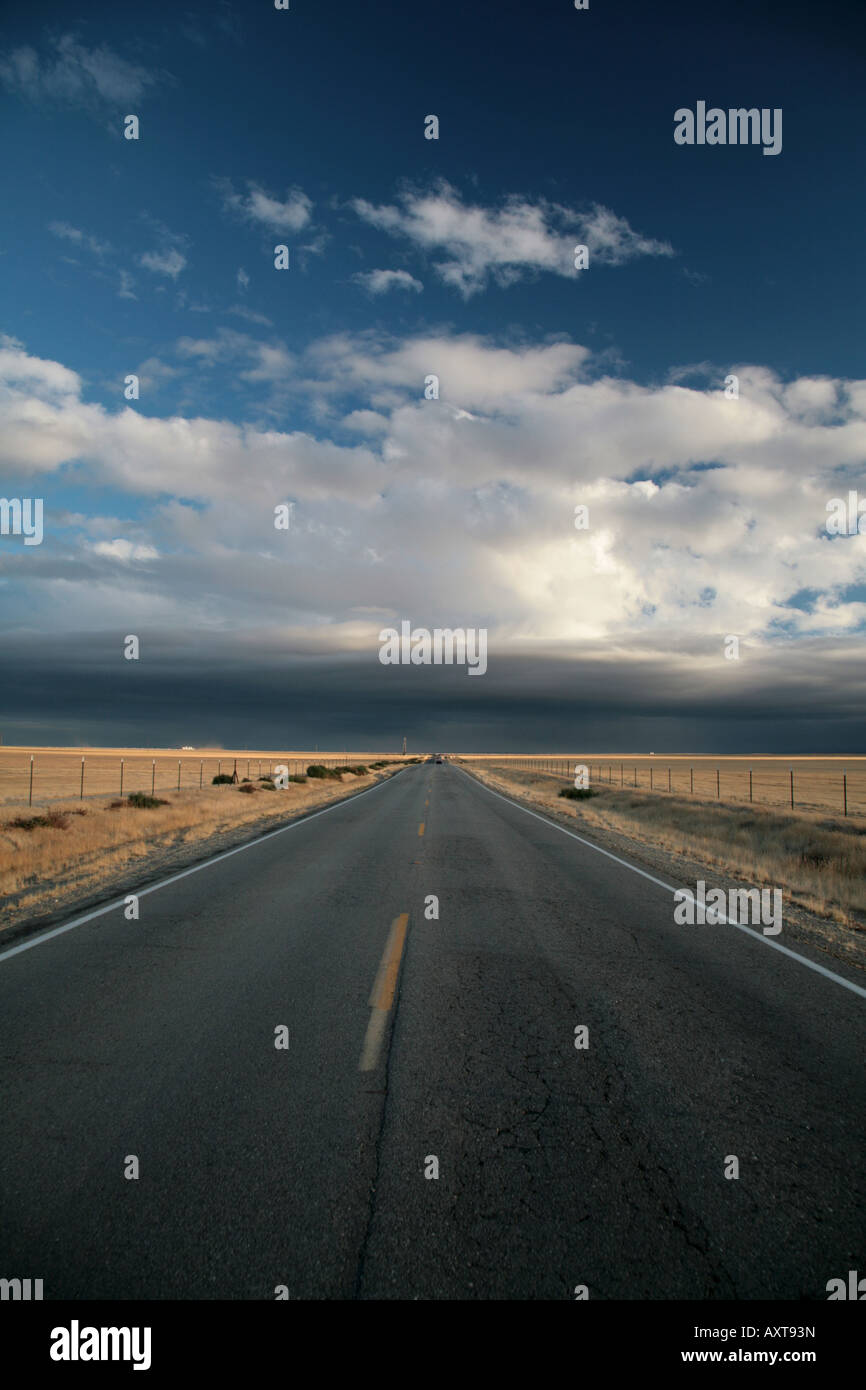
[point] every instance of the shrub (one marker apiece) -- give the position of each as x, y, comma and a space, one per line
296, 777
220, 778
52, 820
578, 793
246, 787
267, 784
360, 770
142, 802
319, 770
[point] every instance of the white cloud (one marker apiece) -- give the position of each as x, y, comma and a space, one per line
381, 281
228, 343
242, 312
257, 206
466, 503
508, 242
153, 372
125, 290
169, 262
243, 279
74, 74
124, 550
80, 238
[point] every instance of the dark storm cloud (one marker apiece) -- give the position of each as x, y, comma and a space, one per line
211, 690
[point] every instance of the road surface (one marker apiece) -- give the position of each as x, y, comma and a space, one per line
412, 1040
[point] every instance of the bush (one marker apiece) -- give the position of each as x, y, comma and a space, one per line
578, 793
267, 784
319, 770
296, 777
52, 820
246, 787
143, 802
220, 778
360, 770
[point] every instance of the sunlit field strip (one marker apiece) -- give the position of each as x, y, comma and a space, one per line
819, 784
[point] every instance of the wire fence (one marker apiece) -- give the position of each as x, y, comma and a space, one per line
38, 778
812, 785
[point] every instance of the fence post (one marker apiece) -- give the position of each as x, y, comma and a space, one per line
178, 774
200, 773
621, 776
750, 784
152, 775
219, 769
669, 779
81, 792
792, 789
844, 792
651, 778
30, 799
718, 793
692, 780
121, 777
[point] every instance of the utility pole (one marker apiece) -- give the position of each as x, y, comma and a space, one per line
404, 745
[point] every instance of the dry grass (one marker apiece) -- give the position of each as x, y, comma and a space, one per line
57, 771
818, 783
818, 861
71, 852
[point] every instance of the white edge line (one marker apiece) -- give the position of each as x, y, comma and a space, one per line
185, 873
755, 936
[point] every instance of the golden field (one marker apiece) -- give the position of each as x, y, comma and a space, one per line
818, 782
57, 772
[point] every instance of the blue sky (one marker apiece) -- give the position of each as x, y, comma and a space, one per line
412, 256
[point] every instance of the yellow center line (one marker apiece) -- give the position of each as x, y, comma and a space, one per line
382, 993
421, 828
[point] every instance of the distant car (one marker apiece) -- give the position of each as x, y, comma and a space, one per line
440, 759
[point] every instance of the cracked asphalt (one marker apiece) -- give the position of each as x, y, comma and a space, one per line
262, 1167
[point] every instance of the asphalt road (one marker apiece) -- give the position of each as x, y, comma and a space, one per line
411, 1040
